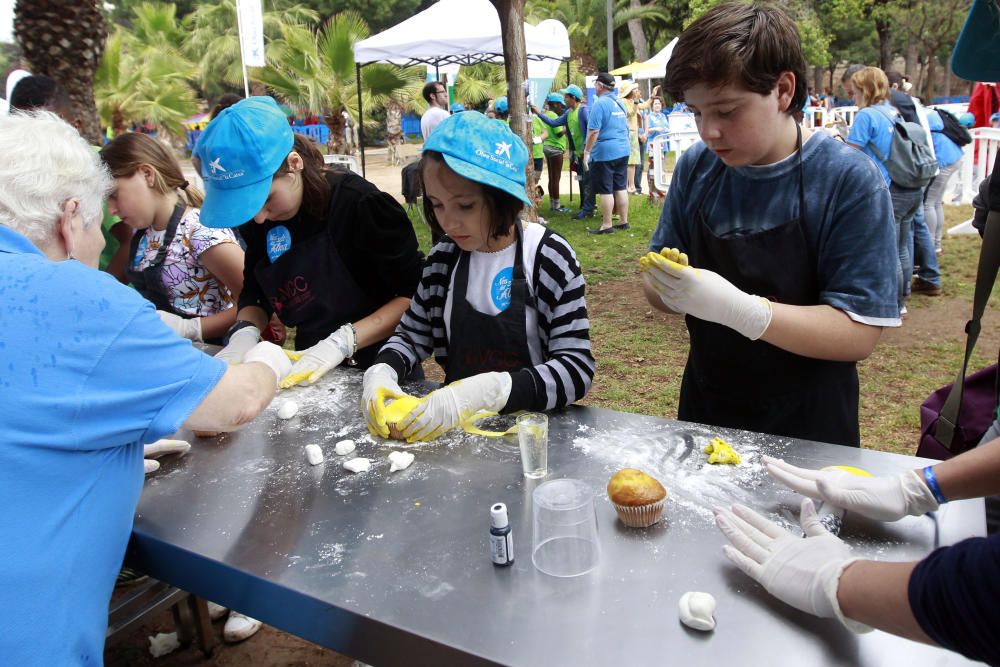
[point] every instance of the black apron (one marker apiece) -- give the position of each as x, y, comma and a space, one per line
310, 288
734, 382
481, 343
149, 281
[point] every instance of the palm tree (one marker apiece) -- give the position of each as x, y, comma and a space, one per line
144, 82
213, 41
64, 39
316, 71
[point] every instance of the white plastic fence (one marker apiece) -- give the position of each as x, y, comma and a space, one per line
977, 160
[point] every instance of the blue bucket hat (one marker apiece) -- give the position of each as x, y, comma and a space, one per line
574, 90
484, 150
977, 52
500, 105
555, 98
240, 151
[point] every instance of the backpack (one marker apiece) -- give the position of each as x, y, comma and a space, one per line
910, 162
953, 129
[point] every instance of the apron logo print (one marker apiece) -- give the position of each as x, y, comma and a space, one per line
279, 241
501, 288
140, 251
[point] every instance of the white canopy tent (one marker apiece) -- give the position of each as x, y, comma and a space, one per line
463, 32
657, 65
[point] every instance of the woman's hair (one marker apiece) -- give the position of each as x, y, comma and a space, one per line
315, 188
127, 152
46, 162
656, 98
871, 86
739, 44
505, 209
226, 101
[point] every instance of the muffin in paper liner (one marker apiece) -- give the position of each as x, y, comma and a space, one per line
639, 516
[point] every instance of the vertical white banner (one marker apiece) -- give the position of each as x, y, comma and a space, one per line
250, 17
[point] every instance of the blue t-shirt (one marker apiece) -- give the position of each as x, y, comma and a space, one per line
946, 150
849, 225
873, 127
88, 374
953, 594
608, 117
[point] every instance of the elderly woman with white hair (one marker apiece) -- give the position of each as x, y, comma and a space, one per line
89, 375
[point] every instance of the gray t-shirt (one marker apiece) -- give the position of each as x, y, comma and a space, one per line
430, 120
849, 225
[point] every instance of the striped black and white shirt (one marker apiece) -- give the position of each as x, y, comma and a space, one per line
558, 327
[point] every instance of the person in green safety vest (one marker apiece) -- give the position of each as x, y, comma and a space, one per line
554, 149
575, 119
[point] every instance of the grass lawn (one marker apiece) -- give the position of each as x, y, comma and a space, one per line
641, 352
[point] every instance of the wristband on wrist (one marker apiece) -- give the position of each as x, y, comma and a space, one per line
931, 479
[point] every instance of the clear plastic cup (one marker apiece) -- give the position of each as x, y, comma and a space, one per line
564, 528
533, 438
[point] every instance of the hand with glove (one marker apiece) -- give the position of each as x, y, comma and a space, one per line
878, 498
161, 447
706, 295
271, 356
314, 363
182, 326
804, 573
240, 342
450, 406
380, 384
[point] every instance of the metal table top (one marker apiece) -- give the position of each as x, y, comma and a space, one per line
395, 568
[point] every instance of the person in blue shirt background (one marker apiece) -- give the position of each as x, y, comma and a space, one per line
606, 153
949, 157
91, 374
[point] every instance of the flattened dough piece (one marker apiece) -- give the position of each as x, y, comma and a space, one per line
288, 409
399, 460
359, 464
696, 609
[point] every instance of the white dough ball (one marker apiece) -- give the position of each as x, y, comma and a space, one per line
314, 454
288, 410
696, 610
344, 447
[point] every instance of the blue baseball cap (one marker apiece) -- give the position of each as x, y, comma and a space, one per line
500, 105
967, 119
457, 107
555, 98
484, 150
574, 90
977, 52
240, 151
995, 117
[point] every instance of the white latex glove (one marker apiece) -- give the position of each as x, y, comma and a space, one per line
804, 573
240, 343
314, 363
879, 498
182, 326
379, 376
708, 296
449, 406
586, 160
160, 448
271, 356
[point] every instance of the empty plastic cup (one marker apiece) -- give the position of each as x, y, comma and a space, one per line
564, 528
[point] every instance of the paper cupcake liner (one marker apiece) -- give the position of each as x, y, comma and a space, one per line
639, 516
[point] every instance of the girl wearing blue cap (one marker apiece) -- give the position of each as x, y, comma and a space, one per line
501, 303
326, 250
554, 148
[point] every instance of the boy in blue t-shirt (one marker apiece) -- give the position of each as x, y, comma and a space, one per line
788, 235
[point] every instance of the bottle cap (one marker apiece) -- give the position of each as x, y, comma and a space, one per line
498, 515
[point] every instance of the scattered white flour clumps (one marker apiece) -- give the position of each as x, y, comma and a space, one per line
288, 410
344, 447
314, 454
696, 610
400, 461
358, 465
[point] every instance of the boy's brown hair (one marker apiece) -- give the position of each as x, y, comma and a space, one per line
739, 44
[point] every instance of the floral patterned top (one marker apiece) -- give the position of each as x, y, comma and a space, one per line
194, 291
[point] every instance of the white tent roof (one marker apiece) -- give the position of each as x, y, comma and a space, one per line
658, 62
455, 31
